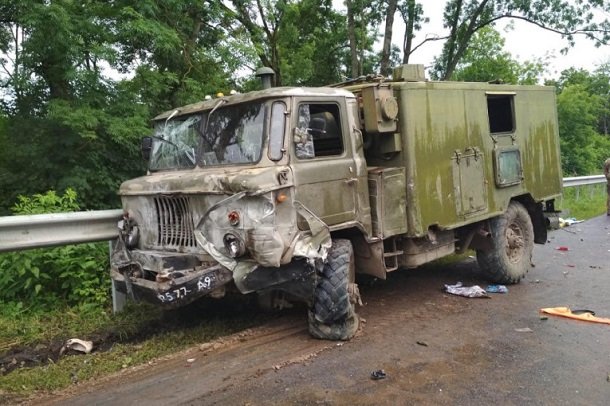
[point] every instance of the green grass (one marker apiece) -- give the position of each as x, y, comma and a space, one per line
136, 336
583, 202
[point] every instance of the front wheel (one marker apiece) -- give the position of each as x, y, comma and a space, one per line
332, 315
512, 237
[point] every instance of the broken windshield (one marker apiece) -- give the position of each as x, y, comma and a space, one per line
175, 143
233, 135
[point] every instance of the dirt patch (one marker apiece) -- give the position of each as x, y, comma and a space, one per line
235, 309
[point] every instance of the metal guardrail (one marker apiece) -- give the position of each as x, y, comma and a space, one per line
48, 230
583, 180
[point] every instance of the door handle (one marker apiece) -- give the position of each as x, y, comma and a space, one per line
350, 181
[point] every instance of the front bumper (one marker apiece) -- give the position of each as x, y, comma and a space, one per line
171, 288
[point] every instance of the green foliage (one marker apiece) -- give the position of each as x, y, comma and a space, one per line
464, 18
485, 60
72, 274
583, 202
583, 149
49, 202
312, 45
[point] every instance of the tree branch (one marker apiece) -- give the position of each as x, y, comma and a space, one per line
588, 32
435, 38
263, 18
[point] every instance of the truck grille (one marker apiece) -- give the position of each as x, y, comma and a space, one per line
175, 221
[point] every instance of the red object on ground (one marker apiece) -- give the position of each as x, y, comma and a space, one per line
562, 248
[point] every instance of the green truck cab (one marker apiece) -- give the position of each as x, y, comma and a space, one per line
289, 192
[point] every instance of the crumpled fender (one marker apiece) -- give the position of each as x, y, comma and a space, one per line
312, 245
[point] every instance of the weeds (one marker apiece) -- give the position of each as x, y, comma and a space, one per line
135, 336
583, 202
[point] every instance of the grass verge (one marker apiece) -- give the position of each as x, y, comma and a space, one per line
583, 202
30, 341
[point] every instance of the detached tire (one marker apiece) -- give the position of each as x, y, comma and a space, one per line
332, 315
512, 236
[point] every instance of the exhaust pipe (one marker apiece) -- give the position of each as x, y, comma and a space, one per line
266, 74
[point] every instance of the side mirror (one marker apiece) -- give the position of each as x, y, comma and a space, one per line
146, 147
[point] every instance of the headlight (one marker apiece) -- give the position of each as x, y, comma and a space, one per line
130, 231
133, 236
268, 209
234, 245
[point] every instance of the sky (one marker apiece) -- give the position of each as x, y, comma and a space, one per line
525, 42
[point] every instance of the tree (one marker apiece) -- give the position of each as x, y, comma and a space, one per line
582, 148
387, 37
569, 19
313, 44
413, 16
485, 60
59, 126
176, 48
595, 83
363, 16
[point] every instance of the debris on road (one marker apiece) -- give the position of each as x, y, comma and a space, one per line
78, 345
422, 343
496, 289
378, 374
524, 330
562, 248
466, 291
568, 222
584, 315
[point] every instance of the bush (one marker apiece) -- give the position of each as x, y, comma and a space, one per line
71, 274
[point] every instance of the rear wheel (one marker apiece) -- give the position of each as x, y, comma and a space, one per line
512, 236
332, 315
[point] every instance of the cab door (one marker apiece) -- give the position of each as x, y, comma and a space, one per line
322, 160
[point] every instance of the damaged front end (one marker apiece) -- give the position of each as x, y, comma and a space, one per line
174, 249
168, 279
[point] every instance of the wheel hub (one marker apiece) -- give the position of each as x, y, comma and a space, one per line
515, 244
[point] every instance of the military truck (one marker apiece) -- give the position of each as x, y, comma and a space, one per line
289, 192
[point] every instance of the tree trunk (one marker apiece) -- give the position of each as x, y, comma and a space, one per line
351, 34
387, 38
407, 42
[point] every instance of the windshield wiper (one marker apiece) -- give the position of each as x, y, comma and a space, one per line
158, 137
161, 138
207, 121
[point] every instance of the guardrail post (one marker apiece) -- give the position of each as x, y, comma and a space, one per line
118, 298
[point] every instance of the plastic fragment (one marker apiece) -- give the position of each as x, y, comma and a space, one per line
466, 291
77, 344
584, 315
496, 289
568, 222
378, 374
562, 248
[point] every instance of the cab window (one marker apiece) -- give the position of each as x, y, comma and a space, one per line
321, 126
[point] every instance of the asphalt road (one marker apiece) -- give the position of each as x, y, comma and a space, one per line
435, 348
